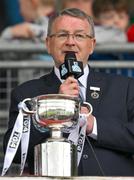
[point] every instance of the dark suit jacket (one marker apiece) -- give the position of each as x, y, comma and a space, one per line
114, 112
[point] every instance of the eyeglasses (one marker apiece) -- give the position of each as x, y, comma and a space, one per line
76, 36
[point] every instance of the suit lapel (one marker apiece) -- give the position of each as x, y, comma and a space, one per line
51, 83
94, 81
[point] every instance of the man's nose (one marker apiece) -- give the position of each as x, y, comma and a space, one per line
70, 40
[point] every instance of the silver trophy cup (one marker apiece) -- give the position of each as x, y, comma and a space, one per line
56, 156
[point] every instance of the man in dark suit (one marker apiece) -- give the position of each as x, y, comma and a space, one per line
109, 144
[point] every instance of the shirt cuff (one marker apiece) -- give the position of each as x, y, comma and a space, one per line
94, 132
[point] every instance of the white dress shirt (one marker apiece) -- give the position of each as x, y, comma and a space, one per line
83, 81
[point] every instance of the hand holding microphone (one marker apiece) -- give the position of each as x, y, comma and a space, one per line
70, 70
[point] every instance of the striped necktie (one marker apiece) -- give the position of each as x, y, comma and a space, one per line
81, 96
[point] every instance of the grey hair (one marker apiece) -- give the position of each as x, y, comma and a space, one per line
74, 12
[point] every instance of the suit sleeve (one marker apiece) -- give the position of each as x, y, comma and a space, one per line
116, 130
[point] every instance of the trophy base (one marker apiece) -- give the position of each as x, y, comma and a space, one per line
56, 158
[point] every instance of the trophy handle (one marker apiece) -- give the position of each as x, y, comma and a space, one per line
89, 106
25, 108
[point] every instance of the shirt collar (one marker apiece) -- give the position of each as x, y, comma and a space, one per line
82, 79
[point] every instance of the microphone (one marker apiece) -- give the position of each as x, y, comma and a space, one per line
71, 67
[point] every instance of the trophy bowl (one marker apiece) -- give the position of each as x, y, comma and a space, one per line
53, 110
56, 109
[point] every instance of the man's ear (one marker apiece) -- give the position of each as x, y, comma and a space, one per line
93, 44
47, 44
